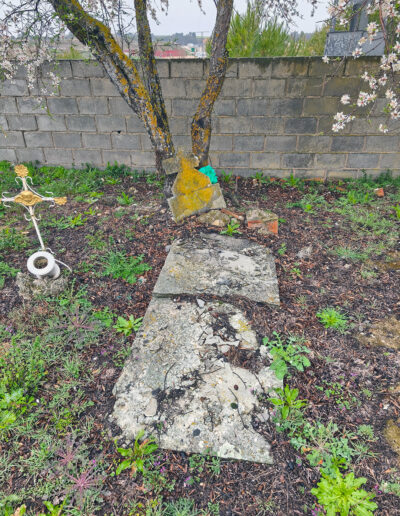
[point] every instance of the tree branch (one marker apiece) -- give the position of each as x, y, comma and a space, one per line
201, 123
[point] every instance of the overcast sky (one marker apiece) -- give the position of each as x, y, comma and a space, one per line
186, 16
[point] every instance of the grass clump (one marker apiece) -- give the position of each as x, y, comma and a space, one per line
332, 318
128, 268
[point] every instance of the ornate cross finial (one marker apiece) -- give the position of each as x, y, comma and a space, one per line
28, 197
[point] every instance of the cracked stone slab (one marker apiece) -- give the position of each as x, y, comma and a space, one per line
219, 265
179, 385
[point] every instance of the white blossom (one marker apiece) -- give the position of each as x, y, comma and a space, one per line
345, 99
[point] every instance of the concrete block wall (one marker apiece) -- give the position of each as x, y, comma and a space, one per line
273, 115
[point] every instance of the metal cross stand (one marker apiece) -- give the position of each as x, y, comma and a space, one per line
28, 198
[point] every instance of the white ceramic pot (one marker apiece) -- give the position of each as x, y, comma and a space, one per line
43, 265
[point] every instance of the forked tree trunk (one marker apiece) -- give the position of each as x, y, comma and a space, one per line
201, 123
144, 99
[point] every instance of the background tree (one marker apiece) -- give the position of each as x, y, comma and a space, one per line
31, 30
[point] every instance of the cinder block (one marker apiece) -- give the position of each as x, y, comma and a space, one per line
182, 141
62, 106
289, 67
235, 159
194, 88
143, 159
119, 106
269, 87
260, 67
248, 143
355, 67
297, 160
103, 88
314, 143
284, 107
303, 125
95, 106
7, 155
252, 107
187, 68
87, 69
62, 68
96, 141
13, 88
232, 70
338, 86
266, 125
173, 88
225, 107
126, 141
330, 160
107, 124
146, 142
8, 105
31, 105
26, 155
121, 157
75, 88
51, 123
265, 160
67, 140
177, 125
93, 157
363, 160
238, 88
230, 125
347, 143
384, 143
343, 173
22, 122
184, 107
162, 67
320, 106
44, 88
3, 123
319, 68
58, 157
390, 161
309, 173
280, 143
365, 126
304, 86
81, 123
38, 139
221, 142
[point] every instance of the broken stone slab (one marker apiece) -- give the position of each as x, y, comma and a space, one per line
31, 287
173, 165
180, 387
383, 333
193, 192
214, 218
264, 221
219, 265
198, 201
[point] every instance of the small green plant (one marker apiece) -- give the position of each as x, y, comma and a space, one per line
338, 494
127, 326
227, 177
287, 401
259, 176
332, 318
284, 354
397, 210
231, 229
10, 238
295, 272
53, 510
128, 268
105, 316
283, 248
125, 200
135, 456
6, 272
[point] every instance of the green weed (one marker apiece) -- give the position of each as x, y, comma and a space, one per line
125, 200
11, 239
127, 326
287, 401
332, 318
128, 268
231, 229
135, 456
285, 354
6, 272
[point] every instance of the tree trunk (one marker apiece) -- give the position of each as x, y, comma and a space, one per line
201, 123
147, 104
